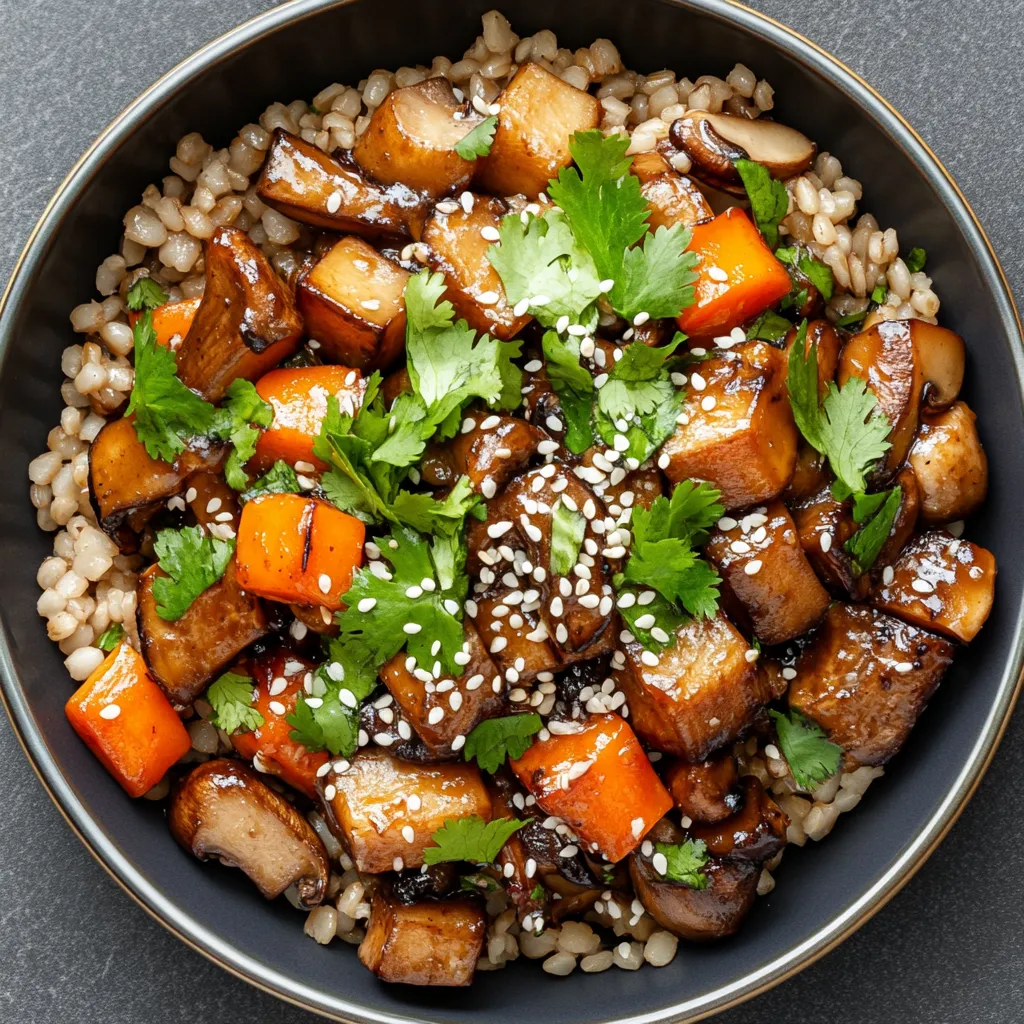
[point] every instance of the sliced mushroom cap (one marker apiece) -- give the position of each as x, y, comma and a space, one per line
222, 810
714, 142
757, 831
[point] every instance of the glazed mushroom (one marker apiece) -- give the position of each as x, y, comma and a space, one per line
714, 142
222, 810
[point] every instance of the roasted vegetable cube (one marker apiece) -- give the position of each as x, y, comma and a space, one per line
458, 249
463, 702
377, 796
765, 569
702, 693
433, 942
306, 184
940, 583
672, 197
411, 140
539, 114
597, 777
516, 639
246, 323
950, 465
865, 678
738, 432
185, 655
354, 304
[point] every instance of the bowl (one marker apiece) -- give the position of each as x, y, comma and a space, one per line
824, 892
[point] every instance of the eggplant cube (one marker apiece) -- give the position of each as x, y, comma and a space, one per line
702, 694
353, 300
865, 679
458, 249
433, 942
941, 583
369, 805
738, 431
539, 114
765, 569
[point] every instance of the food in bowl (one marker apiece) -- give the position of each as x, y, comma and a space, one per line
502, 506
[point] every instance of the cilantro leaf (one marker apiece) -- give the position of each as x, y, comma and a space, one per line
575, 389
684, 862
145, 294
110, 637
667, 616
657, 277
237, 422
231, 696
537, 892
279, 479
866, 505
567, 529
769, 326
851, 319
864, 546
193, 562
425, 513
819, 274
542, 258
880, 293
769, 200
471, 839
811, 757
916, 259
166, 412
478, 140
396, 620
496, 739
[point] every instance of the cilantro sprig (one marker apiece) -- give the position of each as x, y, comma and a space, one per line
685, 861
231, 698
110, 637
238, 422
769, 200
193, 561
876, 513
810, 756
279, 479
145, 294
471, 839
575, 389
495, 740
478, 140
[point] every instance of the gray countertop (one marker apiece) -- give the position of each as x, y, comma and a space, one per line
947, 949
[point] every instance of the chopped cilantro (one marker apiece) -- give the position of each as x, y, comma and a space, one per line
471, 839
684, 862
847, 428
879, 293
811, 757
769, 326
166, 412
537, 893
193, 562
864, 546
851, 319
238, 422
916, 259
567, 529
427, 514
396, 620
478, 140
231, 697
608, 216
541, 258
145, 294
769, 200
495, 740
575, 389
110, 637
279, 479
819, 274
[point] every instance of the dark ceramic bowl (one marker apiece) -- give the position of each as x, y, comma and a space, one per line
824, 891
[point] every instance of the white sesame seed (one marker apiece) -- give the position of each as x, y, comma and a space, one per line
663, 461
334, 202
647, 597
491, 234
751, 655
488, 298
275, 707
110, 711
640, 319
826, 542
645, 621
649, 658
561, 324
888, 574
717, 274
498, 644
324, 583
708, 402
398, 864
922, 586
727, 523
789, 673
411, 628
753, 567
496, 530
660, 864
576, 330
903, 667
413, 592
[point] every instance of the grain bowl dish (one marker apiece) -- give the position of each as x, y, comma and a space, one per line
502, 504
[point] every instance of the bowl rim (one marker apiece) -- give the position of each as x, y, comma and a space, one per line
789, 962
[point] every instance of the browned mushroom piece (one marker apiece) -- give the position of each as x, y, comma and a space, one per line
907, 364
812, 475
411, 139
306, 184
757, 831
706, 791
824, 526
941, 583
714, 142
223, 811
672, 197
865, 679
826, 337
703, 692
432, 942
246, 323
950, 465
905, 523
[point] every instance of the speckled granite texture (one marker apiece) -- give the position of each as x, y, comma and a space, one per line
947, 950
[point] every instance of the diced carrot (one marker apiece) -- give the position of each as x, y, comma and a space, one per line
279, 754
738, 276
124, 718
172, 319
297, 550
298, 397
615, 800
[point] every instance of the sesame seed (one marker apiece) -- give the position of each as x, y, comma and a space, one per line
753, 567
660, 635
459, 742
411, 628
588, 347
903, 667
488, 488
498, 644
922, 586
275, 707
553, 422
717, 274
491, 234
398, 864
488, 298
789, 673
647, 597
708, 402
568, 851
649, 658
324, 583
413, 592
751, 655
212, 505
739, 547
645, 621
627, 600
334, 202
663, 461
110, 711
496, 530
467, 199
640, 319
577, 330
888, 574
697, 381
561, 324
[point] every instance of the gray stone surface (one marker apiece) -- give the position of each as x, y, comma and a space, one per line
948, 949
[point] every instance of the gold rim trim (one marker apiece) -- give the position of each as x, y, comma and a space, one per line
895, 886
